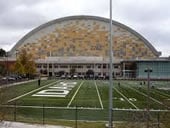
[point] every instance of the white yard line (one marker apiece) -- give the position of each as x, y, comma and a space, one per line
83, 108
141, 110
16, 98
146, 95
75, 94
126, 99
162, 94
100, 100
48, 107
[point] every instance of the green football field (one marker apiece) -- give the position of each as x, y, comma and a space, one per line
84, 100
90, 94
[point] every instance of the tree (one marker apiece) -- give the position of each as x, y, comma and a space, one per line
2, 52
25, 64
30, 68
2, 69
60, 73
90, 72
19, 68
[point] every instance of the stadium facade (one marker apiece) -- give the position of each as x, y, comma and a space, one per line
80, 43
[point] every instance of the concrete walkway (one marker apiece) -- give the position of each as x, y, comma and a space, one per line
17, 83
8, 124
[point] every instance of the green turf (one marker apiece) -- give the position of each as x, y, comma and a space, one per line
87, 97
87, 94
17, 90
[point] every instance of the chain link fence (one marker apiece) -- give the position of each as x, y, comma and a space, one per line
128, 117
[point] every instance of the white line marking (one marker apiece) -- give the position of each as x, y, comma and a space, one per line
70, 108
140, 110
17, 83
74, 95
85, 108
99, 95
146, 95
126, 98
16, 98
162, 94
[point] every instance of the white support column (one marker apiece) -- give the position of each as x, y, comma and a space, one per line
53, 74
47, 68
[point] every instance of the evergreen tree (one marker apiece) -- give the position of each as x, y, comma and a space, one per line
2, 52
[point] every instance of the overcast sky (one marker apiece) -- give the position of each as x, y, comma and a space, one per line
151, 18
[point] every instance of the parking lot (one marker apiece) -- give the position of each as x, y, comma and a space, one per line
11, 79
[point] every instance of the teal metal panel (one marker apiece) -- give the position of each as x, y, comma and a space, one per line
160, 69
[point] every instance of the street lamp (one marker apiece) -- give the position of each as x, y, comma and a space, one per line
148, 71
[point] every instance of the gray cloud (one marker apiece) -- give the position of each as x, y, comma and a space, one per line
144, 11
150, 18
20, 16
6, 5
8, 37
21, 20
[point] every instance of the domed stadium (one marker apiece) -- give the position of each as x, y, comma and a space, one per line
81, 43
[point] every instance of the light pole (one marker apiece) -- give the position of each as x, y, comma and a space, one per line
16, 54
111, 70
148, 70
7, 72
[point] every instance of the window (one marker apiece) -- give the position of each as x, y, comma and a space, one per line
55, 66
116, 66
38, 65
104, 66
50, 65
88, 66
99, 66
80, 66
74, 66
63, 66
44, 65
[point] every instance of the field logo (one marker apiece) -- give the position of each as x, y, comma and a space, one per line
122, 99
59, 90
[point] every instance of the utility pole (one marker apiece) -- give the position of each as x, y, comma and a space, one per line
148, 70
111, 70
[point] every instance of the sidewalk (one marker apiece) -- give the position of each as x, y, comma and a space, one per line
7, 124
16, 83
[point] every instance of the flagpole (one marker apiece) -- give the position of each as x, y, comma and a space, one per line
111, 71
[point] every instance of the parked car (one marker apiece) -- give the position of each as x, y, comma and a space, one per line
69, 77
81, 76
63, 76
9, 78
101, 77
75, 76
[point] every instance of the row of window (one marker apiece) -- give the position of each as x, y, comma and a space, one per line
83, 73
77, 66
